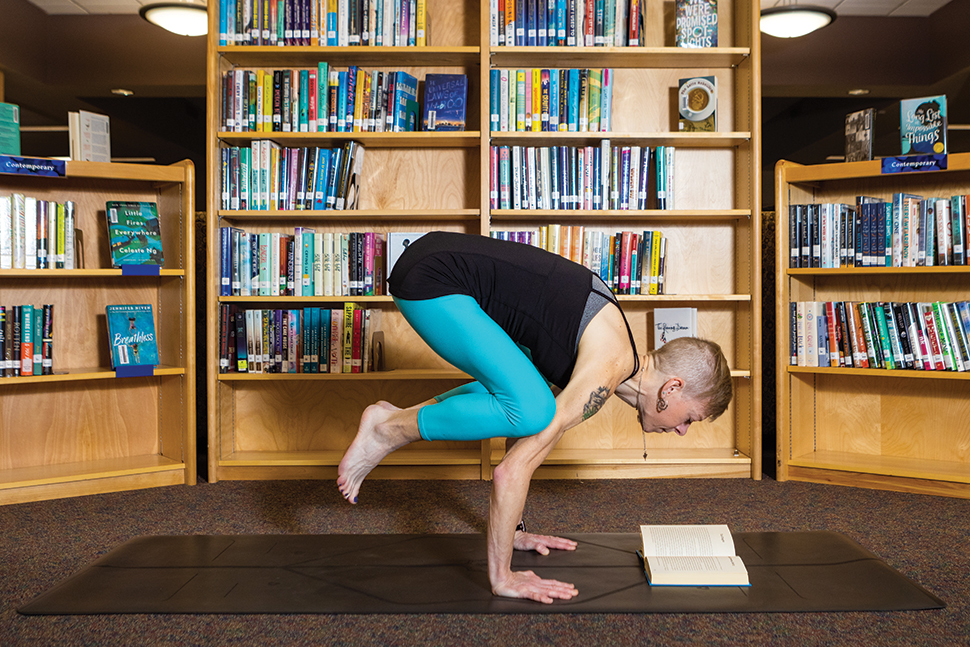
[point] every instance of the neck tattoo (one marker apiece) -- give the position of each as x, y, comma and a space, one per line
639, 415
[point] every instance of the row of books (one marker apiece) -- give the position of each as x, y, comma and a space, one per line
542, 100
594, 23
628, 262
268, 177
304, 263
888, 335
36, 234
906, 231
324, 99
307, 340
324, 23
26, 340
581, 178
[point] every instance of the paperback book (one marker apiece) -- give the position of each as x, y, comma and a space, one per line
858, 135
672, 323
696, 23
691, 555
134, 233
131, 335
9, 129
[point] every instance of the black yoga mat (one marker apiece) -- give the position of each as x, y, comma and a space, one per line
790, 572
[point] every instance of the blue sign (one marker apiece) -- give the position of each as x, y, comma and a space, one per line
32, 166
914, 163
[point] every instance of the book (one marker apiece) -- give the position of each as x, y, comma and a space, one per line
691, 555
397, 242
671, 323
131, 335
134, 233
697, 104
922, 125
696, 23
858, 135
9, 129
445, 97
90, 136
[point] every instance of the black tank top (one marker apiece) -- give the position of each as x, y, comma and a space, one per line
539, 298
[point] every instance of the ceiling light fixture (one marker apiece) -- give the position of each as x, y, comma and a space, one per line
794, 20
858, 92
184, 17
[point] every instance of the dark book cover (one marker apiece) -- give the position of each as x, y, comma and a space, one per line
445, 99
858, 135
696, 23
134, 233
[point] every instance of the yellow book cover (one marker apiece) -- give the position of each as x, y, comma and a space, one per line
359, 99
552, 239
595, 87
655, 263
421, 28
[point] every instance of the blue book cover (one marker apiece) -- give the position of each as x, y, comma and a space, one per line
445, 97
494, 96
922, 124
572, 100
405, 102
134, 233
696, 23
131, 335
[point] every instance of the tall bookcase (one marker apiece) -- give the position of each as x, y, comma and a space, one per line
902, 430
84, 430
298, 425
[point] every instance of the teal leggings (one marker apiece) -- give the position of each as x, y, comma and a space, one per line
510, 397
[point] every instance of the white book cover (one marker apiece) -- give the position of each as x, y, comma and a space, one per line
6, 233
671, 323
95, 137
397, 242
30, 233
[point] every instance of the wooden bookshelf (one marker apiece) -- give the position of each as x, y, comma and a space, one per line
298, 426
83, 430
902, 430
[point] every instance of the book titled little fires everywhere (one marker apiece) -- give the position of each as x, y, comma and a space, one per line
134, 233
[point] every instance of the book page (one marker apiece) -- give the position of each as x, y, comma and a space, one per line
695, 564
690, 540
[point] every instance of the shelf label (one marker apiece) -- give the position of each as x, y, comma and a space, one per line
147, 370
140, 270
914, 163
32, 166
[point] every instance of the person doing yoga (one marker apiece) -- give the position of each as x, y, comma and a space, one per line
519, 319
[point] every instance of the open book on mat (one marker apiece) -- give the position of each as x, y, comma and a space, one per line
691, 555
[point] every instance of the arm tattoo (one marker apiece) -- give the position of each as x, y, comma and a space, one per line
596, 400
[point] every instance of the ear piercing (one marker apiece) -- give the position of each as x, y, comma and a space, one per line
661, 403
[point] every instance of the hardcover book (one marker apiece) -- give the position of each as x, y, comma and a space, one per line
858, 135
697, 103
9, 129
696, 23
134, 233
671, 323
691, 555
444, 102
922, 125
131, 335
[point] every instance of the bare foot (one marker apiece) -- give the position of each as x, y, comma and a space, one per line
383, 428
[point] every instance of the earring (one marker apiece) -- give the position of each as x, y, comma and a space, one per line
661, 404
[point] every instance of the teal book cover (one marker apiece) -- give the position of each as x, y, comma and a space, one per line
134, 233
131, 335
9, 129
922, 125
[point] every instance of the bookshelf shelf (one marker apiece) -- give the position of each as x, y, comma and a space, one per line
297, 426
685, 140
361, 214
902, 430
82, 430
409, 140
666, 215
251, 56
621, 57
